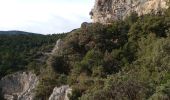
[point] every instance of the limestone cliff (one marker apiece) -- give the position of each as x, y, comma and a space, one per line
106, 11
19, 86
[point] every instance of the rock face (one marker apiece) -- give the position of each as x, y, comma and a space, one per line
60, 93
19, 86
58, 46
106, 11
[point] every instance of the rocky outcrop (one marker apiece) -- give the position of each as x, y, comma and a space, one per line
58, 46
19, 86
60, 93
106, 11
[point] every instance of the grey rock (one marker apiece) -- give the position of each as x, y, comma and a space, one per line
106, 11
85, 24
19, 86
57, 47
60, 93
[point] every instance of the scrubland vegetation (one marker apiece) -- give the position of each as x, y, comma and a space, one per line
126, 60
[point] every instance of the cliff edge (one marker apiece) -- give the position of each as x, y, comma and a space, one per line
106, 11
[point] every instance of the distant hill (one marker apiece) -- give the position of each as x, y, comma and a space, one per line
15, 32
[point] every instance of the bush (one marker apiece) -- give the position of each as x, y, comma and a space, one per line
1, 95
58, 64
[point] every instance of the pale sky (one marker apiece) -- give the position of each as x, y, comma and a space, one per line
44, 16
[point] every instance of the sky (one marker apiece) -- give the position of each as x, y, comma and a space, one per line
44, 16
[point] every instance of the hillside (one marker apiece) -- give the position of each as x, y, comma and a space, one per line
19, 50
125, 60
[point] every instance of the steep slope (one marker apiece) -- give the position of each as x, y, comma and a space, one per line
125, 60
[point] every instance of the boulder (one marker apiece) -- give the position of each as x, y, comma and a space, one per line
61, 93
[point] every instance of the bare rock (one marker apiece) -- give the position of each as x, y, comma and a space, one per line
57, 47
60, 93
106, 11
19, 86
